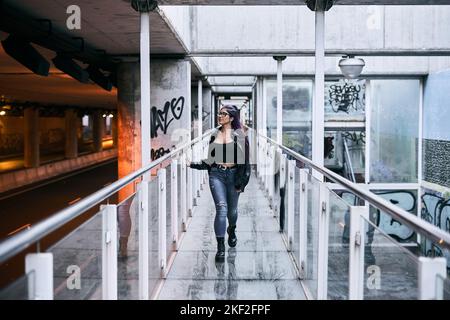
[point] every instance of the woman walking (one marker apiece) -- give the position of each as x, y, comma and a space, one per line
228, 166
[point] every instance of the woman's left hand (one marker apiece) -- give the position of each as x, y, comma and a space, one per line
238, 190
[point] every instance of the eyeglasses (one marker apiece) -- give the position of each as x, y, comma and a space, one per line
223, 114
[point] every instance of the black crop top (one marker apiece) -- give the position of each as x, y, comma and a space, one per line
225, 153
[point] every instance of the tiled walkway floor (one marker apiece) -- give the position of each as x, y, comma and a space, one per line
258, 268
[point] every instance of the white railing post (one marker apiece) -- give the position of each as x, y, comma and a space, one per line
258, 158
190, 194
184, 192
271, 176
40, 283
109, 251
322, 255
356, 256
143, 190
162, 250
290, 203
283, 169
199, 173
303, 253
432, 272
174, 202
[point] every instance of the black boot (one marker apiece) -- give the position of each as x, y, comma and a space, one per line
220, 255
232, 239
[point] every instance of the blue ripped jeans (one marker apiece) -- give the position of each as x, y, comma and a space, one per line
221, 183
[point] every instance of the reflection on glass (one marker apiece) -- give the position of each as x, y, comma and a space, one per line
21, 289
390, 270
77, 262
394, 130
405, 199
338, 250
297, 101
344, 153
127, 264
312, 235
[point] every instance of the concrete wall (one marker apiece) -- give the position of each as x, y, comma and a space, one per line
436, 133
206, 109
11, 135
292, 27
181, 21
170, 94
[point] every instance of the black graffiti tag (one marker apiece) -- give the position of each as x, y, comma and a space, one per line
162, 120
345, 97
155, 154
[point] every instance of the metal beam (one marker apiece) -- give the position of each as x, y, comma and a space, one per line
329, 52
43, 34
296, 2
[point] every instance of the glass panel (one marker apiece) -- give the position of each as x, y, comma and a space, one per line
20, 289
446, 285
77, 262
282, 195
390, 270
153, 237
345, 154
394, 130
182, 189
338, 250
405, 199
345, 100
312, 235
128, 255
296, 237
276, 182
297, 101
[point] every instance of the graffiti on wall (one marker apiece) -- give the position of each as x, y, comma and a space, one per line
346, 97
161, 119
435, 210
11, 143
158, 153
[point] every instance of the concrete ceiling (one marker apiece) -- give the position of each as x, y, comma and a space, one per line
19, 84
109, 25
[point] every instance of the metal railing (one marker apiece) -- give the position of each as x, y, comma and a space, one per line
24, 239
48, 266
434, 233
335, 243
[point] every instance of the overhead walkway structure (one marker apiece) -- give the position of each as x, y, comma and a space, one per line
297, 239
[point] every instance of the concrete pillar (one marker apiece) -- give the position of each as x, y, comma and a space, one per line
170, 112
114, 131
207, 124
319, 88
31, 138
71, 134
279, 60
200, 108
128, 122
98, 122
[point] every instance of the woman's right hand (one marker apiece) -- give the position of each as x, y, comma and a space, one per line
188, 163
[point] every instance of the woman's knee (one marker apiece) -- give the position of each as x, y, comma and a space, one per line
221, 207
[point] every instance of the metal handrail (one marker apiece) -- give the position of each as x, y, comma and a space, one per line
25, 238
432, 232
